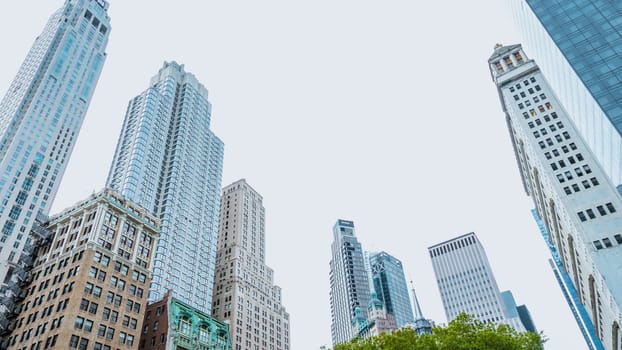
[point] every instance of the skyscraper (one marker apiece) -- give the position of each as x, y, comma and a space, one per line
578, 46
245, 296
466, 282
577, 202
349, 284
168, 161
41, 115
388, 281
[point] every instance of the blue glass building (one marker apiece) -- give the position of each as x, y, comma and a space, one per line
41, 115
570, 292
169, 161
388, 281
578, 45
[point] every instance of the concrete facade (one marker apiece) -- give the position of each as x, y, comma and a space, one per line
245, 296
578, 204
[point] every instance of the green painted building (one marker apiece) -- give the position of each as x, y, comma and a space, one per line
171, 324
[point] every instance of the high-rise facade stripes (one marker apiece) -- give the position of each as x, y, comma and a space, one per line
349, 282
169, 161
41, 115
466, 282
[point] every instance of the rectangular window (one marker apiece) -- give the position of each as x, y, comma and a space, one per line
590, 213
582, 216
611, 208
601, 210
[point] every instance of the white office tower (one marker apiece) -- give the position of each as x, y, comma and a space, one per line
466, 282
575, 199
245, 296
349, 282
41, 115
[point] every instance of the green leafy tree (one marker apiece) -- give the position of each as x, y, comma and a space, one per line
462, 333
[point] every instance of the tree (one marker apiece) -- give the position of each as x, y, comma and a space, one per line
462, 333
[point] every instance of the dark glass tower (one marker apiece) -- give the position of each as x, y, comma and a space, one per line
578, 45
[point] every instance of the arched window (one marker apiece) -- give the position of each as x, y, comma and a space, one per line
615, 336
594, 306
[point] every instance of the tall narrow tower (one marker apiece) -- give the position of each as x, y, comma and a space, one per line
169, 161
421, 325
578, 204
41, 115
245, 296
349, 283
466, 281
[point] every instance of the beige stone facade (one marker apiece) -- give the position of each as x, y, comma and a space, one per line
89, 283
244, 292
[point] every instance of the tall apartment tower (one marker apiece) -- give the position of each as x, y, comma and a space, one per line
388, 281
86, 287
577, 44
169, 161
245, 296
466, 281
577, 202
41, 115
349, 282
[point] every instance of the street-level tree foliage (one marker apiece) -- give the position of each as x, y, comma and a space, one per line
462, 333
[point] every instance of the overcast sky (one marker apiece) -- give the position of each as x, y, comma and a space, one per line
380, 112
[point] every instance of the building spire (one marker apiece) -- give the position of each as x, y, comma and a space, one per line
418, 312
422, 325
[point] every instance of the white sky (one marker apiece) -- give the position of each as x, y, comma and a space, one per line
381, 112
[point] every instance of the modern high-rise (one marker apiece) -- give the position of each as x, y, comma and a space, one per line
578, 46
245, 296
169, 161
387, 278
580, 207
86, 287
41, 115
466, 282
349, 282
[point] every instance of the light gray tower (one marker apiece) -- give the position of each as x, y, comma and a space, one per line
169, 161
41, 115
466, 282
579, 206
247, 292
349, 284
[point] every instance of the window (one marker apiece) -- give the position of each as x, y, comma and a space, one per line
560, 178
571, 160
607, 242
590, 213
601, 210
520, 106
581, 216
567, 190
576, 188
536, 134
566, 135
562, 164
568, 175
578, 172
79, 322
548, 155
110, 333
101, 331
598, 245
84, 343
548, 105
560, 125
84, 304
587, 169
580, 157
73, 342
611, 208
554, 166
618, 238
586, 184
93, 308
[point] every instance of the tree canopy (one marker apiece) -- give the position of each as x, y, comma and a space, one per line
462, 333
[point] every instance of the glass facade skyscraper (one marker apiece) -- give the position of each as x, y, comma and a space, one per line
388, 281
349, 284
41, 115
169, 161
578, 45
